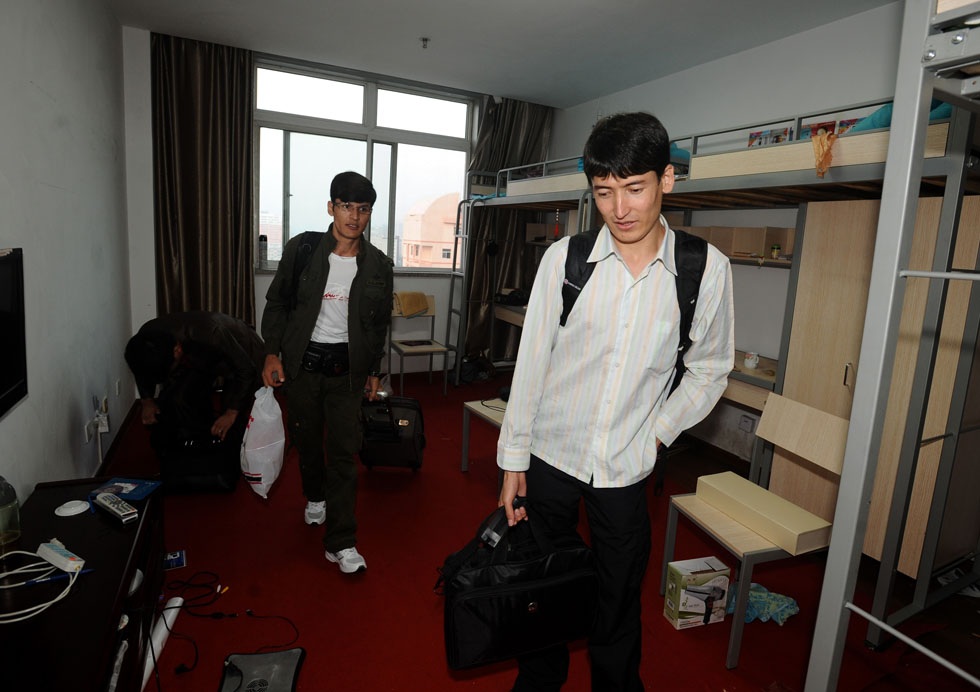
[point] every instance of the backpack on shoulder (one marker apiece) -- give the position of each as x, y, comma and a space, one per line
691, 255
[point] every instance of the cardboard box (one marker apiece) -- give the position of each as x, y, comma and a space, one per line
697, 592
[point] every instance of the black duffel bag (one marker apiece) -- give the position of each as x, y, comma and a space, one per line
513, 591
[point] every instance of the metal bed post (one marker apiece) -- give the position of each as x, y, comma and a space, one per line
885, 296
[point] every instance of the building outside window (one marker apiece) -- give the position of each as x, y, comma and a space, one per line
413, 144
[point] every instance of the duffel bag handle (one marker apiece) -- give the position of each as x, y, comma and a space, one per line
495, 526
498, 535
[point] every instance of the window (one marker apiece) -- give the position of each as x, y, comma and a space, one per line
414, 146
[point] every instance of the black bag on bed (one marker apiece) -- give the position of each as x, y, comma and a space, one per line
512, 591
394, 434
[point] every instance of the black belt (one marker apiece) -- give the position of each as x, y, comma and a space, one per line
330, 359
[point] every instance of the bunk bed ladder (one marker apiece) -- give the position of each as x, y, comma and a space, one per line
931, 48
459, 286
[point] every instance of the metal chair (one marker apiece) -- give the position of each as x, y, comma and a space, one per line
419, 347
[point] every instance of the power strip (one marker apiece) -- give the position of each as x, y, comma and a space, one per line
60, 557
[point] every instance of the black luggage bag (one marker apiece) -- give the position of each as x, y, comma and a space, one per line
513, 591
202, 465
394, 434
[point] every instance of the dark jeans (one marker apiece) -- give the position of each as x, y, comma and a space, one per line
317, 404
619, 526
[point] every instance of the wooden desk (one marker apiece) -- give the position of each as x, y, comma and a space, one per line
490, 410
511, 314
73, 644
749, 387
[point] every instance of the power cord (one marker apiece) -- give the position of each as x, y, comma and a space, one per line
271, 647
47, 570
200, 591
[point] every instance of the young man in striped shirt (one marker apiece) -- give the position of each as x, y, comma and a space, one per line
588, 406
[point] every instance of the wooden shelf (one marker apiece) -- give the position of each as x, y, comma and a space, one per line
749, 244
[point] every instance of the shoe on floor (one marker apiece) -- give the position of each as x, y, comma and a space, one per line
348, 559
316, 513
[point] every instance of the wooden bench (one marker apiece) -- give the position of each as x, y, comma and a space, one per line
752, 523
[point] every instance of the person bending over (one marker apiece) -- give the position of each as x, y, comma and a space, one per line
187, 354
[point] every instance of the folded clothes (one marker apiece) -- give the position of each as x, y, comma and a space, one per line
411, 303
765, 605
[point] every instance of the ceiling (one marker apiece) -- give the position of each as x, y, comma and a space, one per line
554, 52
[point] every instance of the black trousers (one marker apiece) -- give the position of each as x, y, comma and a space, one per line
317, 404
619, 526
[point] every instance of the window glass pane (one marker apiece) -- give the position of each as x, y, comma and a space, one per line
428, 189
381, 178
313, 162
313, 96
270, 190
421, 114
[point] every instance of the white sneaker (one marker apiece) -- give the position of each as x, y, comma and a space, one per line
348, 559
316, 513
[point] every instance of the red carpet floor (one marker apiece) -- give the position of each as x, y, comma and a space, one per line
382, 629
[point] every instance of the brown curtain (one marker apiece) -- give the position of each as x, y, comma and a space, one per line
513, 133
202, 151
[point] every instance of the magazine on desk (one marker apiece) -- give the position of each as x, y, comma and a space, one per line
128, 488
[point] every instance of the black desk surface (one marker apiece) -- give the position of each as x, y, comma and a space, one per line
71, 645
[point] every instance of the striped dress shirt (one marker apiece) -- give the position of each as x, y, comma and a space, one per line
590, 398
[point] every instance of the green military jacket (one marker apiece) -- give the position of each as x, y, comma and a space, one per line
287, 325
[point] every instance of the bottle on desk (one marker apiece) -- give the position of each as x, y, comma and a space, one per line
9, 514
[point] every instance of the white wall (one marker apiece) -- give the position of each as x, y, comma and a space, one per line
853, 60
62, 201
139, 175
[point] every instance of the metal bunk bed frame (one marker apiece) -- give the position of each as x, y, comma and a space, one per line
932, 46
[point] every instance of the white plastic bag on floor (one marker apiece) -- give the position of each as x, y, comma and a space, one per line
264, 442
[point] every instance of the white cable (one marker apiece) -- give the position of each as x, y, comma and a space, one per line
7, 618
43, 566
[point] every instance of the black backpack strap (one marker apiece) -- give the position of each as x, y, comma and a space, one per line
309, 241
577, 270
690, 256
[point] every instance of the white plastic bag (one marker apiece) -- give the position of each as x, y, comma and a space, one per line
264, 442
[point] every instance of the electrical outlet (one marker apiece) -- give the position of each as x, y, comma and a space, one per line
104, 408
102, 422
746, 423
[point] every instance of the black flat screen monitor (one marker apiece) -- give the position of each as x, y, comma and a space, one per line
13, 339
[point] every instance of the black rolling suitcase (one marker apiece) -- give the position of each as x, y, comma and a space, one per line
393, 433
204, 465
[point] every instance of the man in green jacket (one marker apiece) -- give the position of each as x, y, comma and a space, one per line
324, 332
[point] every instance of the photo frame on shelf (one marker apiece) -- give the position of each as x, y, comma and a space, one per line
762, 138
845, 125
807, 130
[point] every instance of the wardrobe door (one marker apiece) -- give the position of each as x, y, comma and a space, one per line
825, 339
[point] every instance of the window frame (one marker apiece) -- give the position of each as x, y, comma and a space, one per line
367, 131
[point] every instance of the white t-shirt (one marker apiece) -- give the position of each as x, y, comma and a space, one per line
331, 325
